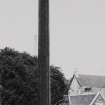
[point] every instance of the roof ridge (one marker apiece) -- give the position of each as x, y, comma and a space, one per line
91, 75
85, 94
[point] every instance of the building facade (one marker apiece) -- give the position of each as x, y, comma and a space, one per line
86, 90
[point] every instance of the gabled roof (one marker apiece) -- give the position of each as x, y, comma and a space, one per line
98, 98
82, 99
90, 80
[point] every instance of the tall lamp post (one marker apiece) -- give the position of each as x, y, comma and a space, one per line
43, 52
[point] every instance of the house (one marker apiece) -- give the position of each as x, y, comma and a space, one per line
84, 99
81, 84
85, 90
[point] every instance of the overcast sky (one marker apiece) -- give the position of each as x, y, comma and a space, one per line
77, 32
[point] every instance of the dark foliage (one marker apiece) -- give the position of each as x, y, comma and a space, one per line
58, 85
20, 79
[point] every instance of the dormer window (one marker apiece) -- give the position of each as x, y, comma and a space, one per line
87, 89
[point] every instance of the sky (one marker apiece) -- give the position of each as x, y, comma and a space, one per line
77, 32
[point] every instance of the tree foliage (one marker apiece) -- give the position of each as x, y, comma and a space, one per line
19, 77
58, 85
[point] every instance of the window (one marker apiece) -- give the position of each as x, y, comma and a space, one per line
87, 89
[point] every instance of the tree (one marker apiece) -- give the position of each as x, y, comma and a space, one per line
58, 85
19, 84
20, 79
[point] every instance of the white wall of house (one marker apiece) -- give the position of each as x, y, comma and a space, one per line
99, 100
75, 87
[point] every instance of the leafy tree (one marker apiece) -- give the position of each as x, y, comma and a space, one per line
58, 85
19, 84
19, 77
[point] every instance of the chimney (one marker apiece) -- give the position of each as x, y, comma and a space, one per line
76, 73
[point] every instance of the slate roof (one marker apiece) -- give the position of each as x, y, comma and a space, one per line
82, 99
91, 81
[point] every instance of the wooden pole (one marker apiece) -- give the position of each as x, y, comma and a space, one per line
43, 52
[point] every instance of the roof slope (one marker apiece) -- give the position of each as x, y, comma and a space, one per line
91, 81
82, 99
